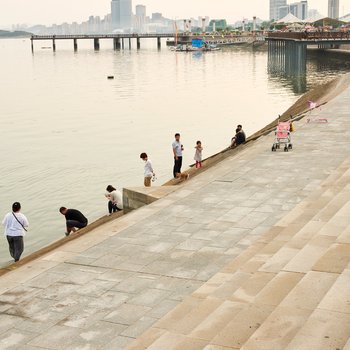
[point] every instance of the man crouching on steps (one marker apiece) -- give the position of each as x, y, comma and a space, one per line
74, 219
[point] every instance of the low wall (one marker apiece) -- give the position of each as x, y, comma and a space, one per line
137, 197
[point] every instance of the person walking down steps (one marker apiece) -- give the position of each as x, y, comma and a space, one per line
15, 224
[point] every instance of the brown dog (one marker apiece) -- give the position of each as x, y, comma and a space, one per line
182, 176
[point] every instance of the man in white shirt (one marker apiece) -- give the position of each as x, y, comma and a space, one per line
177, 151
149, 172
15, 226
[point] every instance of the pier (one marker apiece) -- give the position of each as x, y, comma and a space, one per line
288, 50
119, 39
243, 255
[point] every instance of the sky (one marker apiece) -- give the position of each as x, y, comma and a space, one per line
48, 12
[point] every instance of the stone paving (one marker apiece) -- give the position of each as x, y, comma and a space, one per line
130, 276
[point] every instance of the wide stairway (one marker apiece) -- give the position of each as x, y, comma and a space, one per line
289, 290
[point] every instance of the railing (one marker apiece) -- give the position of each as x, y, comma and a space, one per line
137, 35
101, 36
312, 36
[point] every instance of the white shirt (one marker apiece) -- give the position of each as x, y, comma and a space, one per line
116, 197
178, 148
12, 227
148, 169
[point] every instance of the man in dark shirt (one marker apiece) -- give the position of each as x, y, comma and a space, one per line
74, 219
240, 136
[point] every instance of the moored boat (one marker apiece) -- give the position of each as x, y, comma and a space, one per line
197, 45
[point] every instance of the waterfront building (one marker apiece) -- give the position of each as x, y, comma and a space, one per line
121, 14
283, 11
217, 24
333, 9
313, 13
274, 8
157, 17
140, 11
140, 18
299, 9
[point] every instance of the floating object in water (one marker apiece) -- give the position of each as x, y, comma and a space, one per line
110, 77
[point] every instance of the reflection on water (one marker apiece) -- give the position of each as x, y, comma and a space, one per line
68, 131
321, 67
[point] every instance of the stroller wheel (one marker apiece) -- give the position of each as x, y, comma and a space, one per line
290, 146
278, 146
285, 149
273, 149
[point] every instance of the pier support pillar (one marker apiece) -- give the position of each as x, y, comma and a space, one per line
129, 43
288, 58
53, 45
96, 44
138, 43
32, 44
116, 44
123, 45
75, 44
295, 58
159, 42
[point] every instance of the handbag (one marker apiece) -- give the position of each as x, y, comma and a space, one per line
19, 222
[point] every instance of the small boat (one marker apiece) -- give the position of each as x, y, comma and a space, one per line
198, 45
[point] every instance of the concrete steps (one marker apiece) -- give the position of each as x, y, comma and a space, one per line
288, 290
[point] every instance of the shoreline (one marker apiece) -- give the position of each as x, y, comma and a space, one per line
322, 94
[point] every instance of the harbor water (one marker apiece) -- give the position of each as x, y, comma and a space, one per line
67, 131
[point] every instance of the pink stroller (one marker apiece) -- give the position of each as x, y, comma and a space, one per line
282, 137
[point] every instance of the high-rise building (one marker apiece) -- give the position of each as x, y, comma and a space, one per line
140, 18
121, 14
299, 9
141, 10
283, 11
274, 6
333, 9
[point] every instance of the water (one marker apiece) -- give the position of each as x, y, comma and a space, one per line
68, 132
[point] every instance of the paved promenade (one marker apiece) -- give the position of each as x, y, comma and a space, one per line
253, 253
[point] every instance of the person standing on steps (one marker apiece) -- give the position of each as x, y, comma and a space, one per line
198, 154
74, 219
149, 172
177, 151
115, 199
15, 227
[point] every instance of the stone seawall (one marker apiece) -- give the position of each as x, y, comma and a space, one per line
252, 253
135, 198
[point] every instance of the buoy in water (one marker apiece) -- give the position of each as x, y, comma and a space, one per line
110, 77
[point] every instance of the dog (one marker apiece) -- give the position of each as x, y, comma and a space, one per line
182, 176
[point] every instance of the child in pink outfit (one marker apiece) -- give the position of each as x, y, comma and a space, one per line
198, 154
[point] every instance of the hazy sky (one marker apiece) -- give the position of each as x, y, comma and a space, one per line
58, 11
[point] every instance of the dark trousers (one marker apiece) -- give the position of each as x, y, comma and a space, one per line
112, 207
177, 166
16, 246
71, 224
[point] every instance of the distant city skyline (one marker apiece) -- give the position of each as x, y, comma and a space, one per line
58, 11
